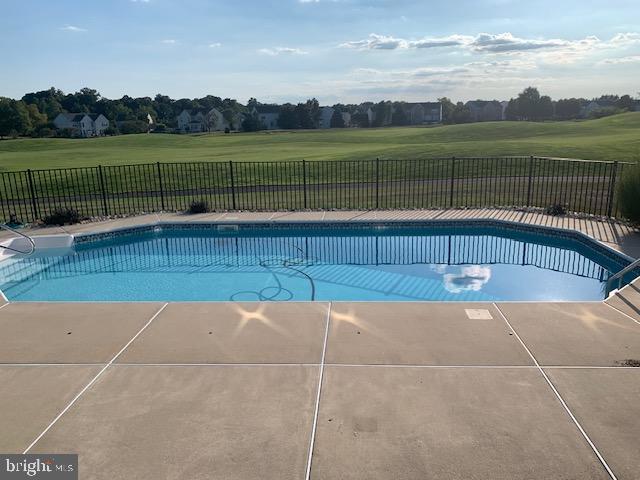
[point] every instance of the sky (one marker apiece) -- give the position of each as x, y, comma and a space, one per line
345, 51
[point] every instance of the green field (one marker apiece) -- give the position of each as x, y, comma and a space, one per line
612, 138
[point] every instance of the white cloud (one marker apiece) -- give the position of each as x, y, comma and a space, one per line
471, 278
620, 60
501, 43
215, 45
282, 51
169, 41
72, 28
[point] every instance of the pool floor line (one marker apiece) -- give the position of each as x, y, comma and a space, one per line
559, 397
93, 380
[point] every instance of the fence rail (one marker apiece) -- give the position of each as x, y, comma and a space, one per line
579, 185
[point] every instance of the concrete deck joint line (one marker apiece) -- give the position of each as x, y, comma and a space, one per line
93, 380
616, 309
559, 397
317, 406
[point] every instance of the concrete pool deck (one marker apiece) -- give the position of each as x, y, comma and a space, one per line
361, 390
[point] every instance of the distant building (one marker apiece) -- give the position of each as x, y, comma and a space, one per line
268, 115
424, 112
346, 118
485, 111
201, 120
82, 124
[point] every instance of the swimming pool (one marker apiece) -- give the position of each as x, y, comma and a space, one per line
439, 261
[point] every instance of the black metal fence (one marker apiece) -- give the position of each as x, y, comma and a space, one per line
579, 185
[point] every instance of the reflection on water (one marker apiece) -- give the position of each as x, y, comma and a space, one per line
373, 266
472, 277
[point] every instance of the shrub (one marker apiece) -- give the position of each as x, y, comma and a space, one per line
629, 194
62, 216
555, 210
198, 206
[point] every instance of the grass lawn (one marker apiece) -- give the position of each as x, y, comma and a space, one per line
612, 138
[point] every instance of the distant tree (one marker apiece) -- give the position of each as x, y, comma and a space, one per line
530, 106
447, 109
544, 110
625, 102
360, 120
14, 118
568, 108
337, 120
382, 114
288, 118
133, 126
251, 124
461, 113
36, 119
399, 117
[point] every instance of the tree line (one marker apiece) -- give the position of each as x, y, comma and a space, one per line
34, 113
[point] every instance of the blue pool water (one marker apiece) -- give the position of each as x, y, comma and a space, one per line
440, 263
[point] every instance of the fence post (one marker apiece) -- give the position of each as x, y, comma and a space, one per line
377, 183
304, 181
453, 174
612, 189
233, 186
103, 190
529, 183
160, 185
32, 192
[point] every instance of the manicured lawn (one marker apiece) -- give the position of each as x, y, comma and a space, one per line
613, 138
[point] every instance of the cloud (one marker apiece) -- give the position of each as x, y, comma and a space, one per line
72, 28
215, 45
282, 51
506, 42
620, 60
376, 42
169, 41
497, 44
471, 278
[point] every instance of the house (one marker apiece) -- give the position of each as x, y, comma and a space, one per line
424, 112
192, 121
200, 120
82, 124
485, 111
326, 114
368, 112
267, 115
346, 118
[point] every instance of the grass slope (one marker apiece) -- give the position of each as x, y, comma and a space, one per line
612, 138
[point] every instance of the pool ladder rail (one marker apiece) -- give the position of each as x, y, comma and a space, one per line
620, 275
32, 243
